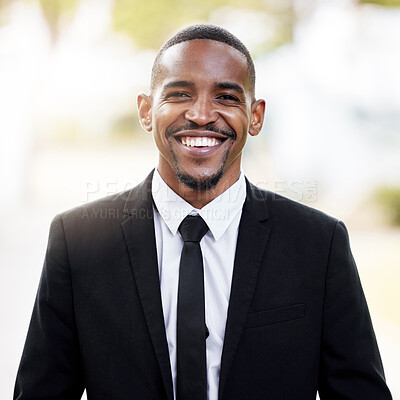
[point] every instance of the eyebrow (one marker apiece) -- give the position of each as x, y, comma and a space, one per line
175, 84
230, 85
220, 85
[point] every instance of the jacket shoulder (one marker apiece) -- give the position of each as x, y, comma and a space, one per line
112, 205
284, 210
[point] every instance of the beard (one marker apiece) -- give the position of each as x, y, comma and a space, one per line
195, 183
199, 184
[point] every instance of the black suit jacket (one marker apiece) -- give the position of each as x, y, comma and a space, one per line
297, 318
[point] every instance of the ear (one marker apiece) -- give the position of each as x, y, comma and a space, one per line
257, 117
144, 105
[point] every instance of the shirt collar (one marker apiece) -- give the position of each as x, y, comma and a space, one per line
218, 214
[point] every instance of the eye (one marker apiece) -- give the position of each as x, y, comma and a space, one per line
177, 96
228, 97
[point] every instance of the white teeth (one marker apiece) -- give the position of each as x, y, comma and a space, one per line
199, 141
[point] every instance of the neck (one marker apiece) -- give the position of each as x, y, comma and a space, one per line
199, 198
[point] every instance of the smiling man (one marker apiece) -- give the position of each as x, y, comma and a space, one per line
200, 285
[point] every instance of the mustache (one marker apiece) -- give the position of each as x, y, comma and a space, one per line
192, 126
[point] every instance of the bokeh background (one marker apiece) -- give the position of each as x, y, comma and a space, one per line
70, 71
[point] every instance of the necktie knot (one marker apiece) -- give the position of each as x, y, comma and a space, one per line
193, 228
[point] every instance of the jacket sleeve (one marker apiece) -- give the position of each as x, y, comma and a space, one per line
351, 367
50, 366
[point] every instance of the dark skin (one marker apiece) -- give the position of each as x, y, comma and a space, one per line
200, 111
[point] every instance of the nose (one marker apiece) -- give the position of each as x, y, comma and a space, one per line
201, 111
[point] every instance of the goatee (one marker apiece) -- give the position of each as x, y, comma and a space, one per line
199, 185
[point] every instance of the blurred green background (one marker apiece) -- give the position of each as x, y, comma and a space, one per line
70, 71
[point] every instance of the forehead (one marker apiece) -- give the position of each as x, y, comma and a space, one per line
203, 59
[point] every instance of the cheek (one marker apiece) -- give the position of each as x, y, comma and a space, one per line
164, 118
170, 111
238, 119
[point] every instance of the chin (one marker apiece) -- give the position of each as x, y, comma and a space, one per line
199, 183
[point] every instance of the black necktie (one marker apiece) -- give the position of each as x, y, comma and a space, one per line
191, 381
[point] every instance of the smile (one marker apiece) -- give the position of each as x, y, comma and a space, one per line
191, 141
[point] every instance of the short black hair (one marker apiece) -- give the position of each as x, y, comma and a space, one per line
205, 31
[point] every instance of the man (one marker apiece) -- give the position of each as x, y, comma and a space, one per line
123, 309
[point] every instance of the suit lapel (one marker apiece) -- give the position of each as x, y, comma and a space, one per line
140, 240
251, 244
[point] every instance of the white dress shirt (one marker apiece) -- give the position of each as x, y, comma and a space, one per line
218, 246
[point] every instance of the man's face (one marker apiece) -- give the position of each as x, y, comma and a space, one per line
200, 111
